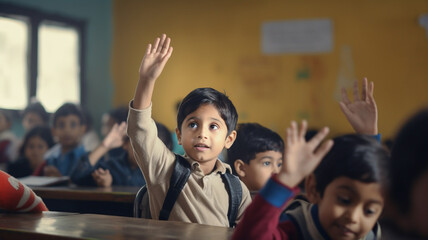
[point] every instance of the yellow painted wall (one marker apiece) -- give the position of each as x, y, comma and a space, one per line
217, 44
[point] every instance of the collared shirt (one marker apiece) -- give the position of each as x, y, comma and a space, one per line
204, 198
67, 162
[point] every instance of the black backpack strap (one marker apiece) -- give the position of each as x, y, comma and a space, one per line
234, 188
179, 178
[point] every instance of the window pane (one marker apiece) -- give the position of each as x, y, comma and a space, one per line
58, 78
13, 59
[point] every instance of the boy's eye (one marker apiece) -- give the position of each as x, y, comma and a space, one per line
266, 163
61, 125
344, 200
213, 126
193, 125
280, 164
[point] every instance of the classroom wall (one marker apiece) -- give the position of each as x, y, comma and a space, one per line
98, 17
217, 44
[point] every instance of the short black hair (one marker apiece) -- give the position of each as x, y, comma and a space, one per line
165, 135
409, 159
7, 115
202, 96
38, 109
253, 138
119, 114
44, 132
358, 157
69, 109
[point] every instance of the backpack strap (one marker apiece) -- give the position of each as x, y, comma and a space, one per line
234, 189
179, 178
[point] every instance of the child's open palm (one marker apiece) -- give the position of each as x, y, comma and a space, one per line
362, 113
302, 157
155, 58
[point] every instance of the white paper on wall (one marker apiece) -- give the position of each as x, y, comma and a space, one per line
297, 36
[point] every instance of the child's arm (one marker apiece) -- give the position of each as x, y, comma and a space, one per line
362, 113
261, 218
151, 67
113, 139
102, 177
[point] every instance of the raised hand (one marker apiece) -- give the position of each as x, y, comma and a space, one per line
114, 138
302, 157
155, 59
362, 113
151, 67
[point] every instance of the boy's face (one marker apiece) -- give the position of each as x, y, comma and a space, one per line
350, 208
68, 130
106, 124
35, 150
257, 173
4, 124
31, 120
204, 134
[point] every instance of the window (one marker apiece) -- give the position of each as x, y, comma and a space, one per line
41, 56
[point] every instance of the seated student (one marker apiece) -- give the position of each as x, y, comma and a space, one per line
256, 154
345, 190
36, 143
8, 140
34, 115
406, 212
68, 128
206, 124
120, 170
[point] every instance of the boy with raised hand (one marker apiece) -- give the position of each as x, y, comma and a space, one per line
205, 126
346, 191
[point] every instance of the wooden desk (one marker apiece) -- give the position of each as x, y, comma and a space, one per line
94, 226
116, 200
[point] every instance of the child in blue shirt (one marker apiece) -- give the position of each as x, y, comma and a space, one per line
68, 128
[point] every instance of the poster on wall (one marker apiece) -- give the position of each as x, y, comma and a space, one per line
297, 36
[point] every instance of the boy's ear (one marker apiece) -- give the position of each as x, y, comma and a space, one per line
239, 168
230, 139
177, 132
311, 189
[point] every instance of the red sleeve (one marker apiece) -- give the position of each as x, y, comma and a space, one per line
261, 221
15, 196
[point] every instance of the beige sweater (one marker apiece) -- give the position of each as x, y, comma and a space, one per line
203, 199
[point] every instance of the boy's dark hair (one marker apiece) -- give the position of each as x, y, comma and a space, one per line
354, 156
43, 132
69, 109
38, 109
409, 159
202, 96
119, 114
165, 135
253, 138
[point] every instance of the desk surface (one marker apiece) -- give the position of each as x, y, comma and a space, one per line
110, 194
83, 226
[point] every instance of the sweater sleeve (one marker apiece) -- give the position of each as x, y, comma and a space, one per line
261, 218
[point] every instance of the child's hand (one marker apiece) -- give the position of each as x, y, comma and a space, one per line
302, 157
155, 59
102, 177
114, 138
362, 113
51, 171
151, 67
